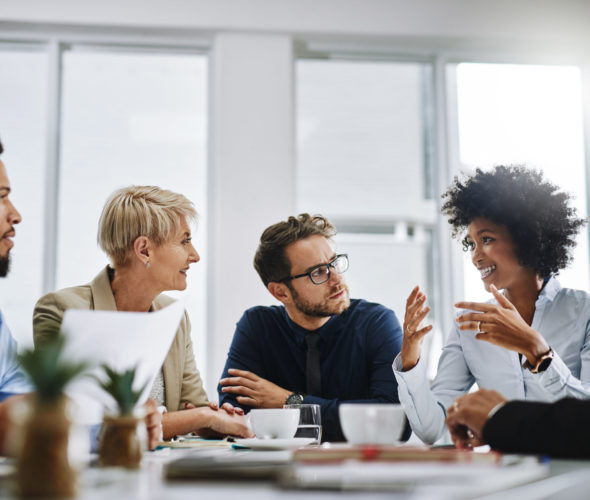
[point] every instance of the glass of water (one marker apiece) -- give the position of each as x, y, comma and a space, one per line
310, 422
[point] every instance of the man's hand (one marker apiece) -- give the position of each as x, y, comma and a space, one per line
467, 416
502, 325
254, 391
153, 423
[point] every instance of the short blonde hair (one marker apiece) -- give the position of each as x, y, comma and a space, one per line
135, 211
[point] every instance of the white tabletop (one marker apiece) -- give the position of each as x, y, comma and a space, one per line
563, 479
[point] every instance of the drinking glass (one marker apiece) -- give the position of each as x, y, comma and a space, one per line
310, 422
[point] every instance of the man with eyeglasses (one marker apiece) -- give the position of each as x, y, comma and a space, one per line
319, 347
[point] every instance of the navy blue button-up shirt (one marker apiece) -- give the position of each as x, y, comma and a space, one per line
357, 349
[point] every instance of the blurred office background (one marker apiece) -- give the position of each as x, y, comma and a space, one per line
362, 110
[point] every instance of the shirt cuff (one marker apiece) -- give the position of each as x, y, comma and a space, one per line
162, 409
495, 409
413, 375
554, 378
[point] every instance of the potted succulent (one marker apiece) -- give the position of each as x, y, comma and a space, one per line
121, 442
44, 469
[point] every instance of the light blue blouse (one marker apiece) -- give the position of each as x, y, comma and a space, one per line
562, 316
12, 378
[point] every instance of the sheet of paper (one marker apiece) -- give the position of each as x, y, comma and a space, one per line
223, 465
444, 480
121, 340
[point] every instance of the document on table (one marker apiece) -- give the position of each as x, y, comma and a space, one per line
230, 465
196, 443
443, 480
122, 340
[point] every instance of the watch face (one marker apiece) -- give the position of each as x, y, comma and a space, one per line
294, 399
544, 364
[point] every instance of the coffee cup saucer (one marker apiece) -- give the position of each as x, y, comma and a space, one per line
274, 443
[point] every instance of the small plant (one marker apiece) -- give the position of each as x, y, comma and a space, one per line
48, 372
43, 466
120, 386
120, 444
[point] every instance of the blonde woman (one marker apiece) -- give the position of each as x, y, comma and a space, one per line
145, 232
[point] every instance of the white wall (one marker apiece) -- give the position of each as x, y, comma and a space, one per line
514, 19
252, 172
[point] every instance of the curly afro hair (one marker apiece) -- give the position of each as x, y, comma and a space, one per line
537, 215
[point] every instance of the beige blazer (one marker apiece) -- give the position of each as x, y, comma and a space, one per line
182, 380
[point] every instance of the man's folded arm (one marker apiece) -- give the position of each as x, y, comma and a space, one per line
243, 355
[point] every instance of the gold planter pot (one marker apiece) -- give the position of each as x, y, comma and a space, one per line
44, 469
122, 441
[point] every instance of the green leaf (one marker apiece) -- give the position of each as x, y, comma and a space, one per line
120, 386
48, 372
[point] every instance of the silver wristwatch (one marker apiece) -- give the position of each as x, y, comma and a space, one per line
295, 398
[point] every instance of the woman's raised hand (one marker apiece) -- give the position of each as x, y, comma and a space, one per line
502, 325
413, 334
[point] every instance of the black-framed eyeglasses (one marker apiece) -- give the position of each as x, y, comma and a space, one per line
320, 274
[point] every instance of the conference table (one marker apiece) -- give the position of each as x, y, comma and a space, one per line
561, 479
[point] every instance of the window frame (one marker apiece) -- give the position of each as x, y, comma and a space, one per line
397, 229
54, 42
224, 49
447, 264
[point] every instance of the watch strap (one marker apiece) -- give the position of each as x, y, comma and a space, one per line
542, 363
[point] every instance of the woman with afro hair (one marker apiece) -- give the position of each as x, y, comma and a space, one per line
532, 341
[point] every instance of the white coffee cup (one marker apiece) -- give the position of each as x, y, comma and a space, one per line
274, 423
372, 423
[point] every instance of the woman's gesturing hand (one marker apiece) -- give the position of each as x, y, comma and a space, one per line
413, 334
502, 325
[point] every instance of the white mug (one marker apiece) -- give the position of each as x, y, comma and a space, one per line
274, 423
372, 423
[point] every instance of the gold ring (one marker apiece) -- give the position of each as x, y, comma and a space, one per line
478, 326
455, 406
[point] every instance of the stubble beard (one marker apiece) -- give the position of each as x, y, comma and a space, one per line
4, 265
323, 309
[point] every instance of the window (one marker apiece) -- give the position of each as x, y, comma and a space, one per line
128, 116
363, 160
524, 114
23, 101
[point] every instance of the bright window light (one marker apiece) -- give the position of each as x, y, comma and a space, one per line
525, 114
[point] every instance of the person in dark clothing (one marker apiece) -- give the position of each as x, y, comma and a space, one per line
319, 347
559, 429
